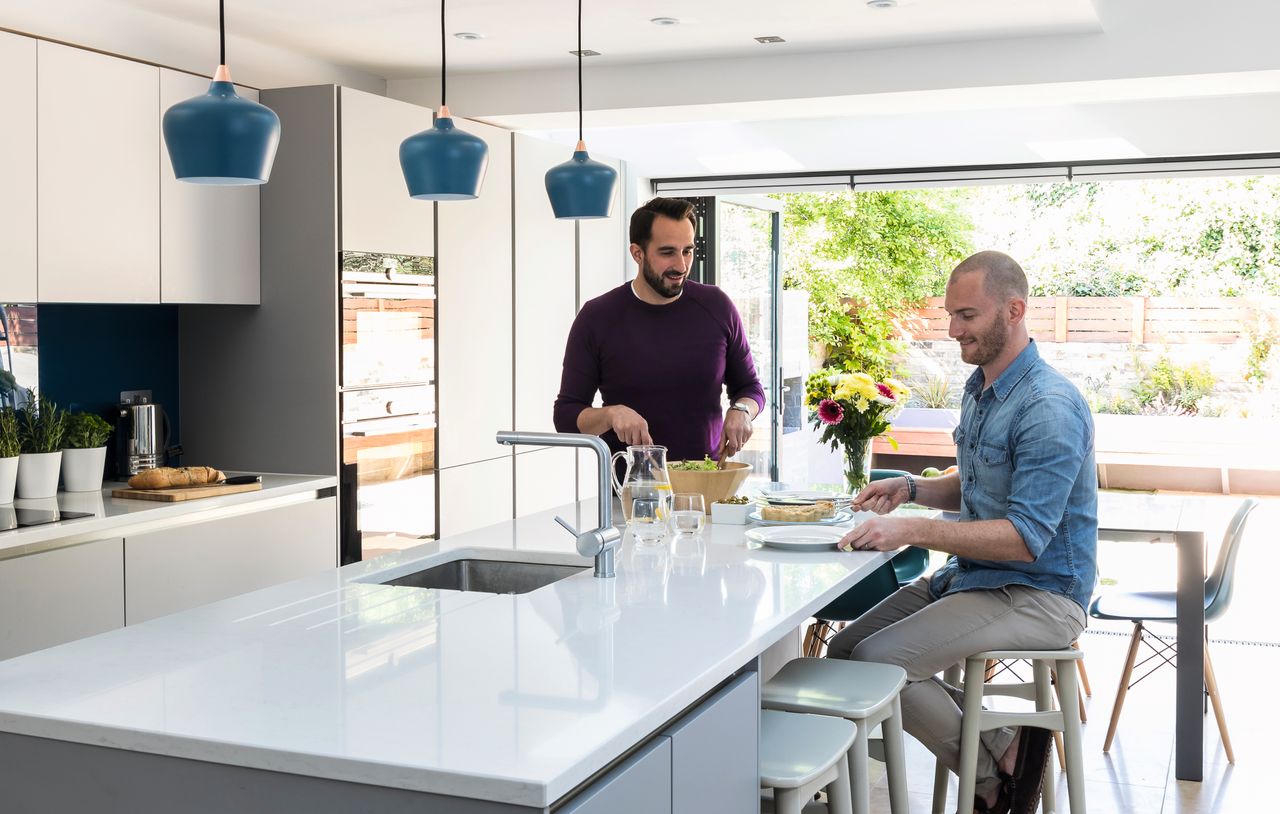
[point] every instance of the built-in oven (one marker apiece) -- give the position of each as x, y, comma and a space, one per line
388, 403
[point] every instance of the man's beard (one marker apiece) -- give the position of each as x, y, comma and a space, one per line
659, 283
990, 343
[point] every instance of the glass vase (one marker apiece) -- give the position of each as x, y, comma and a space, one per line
857, 464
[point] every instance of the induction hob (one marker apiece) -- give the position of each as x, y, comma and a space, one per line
14, 518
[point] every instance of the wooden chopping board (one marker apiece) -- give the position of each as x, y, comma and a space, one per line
185, 492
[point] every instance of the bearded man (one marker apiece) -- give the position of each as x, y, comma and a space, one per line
660, 350
1023, 556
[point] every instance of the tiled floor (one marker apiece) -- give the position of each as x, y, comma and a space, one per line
1137, 774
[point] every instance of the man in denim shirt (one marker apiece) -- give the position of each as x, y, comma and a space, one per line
1022, 562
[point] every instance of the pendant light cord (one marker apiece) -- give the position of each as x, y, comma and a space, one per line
443, 73
579, 70
222, 34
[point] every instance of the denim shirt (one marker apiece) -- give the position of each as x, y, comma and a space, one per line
1024, 447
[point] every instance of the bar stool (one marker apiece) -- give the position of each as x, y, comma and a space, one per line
864, 693
802, 754
1065, 719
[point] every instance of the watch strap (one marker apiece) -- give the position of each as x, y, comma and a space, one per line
911, 487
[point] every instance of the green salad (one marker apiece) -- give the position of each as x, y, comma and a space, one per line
705, 465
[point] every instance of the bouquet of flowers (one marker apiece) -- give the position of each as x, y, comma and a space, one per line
851, 409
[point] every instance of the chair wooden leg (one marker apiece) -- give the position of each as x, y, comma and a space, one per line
1125, 675
810, 632
1211, 684
989, 672
1083, 674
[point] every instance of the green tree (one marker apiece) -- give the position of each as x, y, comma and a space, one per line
867, 259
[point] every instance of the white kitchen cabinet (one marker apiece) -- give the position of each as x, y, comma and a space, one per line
18, 168
377, 213
98, 173
473, 324
208, 233
719, 739
175, 569
545, 478
475, 495
57, 596
545, 289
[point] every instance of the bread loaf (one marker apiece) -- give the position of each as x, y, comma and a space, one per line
168, 477
799, 514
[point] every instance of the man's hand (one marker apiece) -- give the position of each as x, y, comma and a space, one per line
734, 435
628, 425
882, 496
876, 534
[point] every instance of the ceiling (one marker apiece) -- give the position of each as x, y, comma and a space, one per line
400, 38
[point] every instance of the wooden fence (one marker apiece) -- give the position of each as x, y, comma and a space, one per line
1129, 320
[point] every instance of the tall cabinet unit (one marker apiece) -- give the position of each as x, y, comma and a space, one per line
18, 168
474, 341
97, 175
209, 235
545, 292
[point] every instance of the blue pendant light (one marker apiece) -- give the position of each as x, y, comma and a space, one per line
580, 188
443, 163
221, 137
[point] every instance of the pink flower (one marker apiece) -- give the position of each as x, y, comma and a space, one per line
885, 391
830, 412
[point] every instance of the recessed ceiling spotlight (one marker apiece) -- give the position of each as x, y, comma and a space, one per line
769, 40
469, 35
586, 52
882, 3
665, 21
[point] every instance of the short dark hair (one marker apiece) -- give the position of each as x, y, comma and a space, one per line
642, 218
1004, 280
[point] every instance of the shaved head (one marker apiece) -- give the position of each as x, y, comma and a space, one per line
1004, 279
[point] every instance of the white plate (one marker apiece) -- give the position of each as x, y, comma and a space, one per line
800, 494
797, 538
841, 516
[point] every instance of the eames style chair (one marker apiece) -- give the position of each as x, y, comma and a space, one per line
1141, 607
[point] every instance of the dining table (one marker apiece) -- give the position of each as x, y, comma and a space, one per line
1182, 520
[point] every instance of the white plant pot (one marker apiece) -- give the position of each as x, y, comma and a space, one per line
82, 469
8, 478
38, 474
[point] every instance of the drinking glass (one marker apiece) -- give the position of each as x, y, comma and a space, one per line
647, 523
688, 512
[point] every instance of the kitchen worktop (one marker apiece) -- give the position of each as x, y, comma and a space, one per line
113, 516
508, 698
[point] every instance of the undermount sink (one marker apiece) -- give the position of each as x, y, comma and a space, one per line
487, 576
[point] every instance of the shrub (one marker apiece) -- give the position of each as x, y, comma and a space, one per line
1164, 386
934, 391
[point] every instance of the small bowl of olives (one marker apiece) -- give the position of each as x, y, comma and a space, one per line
731, 511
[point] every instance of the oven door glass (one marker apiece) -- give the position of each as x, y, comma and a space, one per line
394, 462
388, 334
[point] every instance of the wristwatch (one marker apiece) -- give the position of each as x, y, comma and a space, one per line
911, 487
739, 405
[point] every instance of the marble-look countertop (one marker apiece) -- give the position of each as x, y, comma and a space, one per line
113, 516
509, 698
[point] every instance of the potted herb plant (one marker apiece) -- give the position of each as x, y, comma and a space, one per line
84, 452
8, 453
41, 424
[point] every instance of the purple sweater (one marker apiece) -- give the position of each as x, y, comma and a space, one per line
666, 362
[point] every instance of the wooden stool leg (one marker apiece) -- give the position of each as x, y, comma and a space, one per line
1211, 684
1123, 690
1083, 673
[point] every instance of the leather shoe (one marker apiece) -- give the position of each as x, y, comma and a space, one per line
1000, 806
1027, 781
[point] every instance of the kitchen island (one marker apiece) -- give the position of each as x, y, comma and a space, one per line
338, 690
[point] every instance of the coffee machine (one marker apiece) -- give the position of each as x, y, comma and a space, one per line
142, 433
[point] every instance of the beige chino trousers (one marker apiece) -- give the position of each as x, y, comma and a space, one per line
925, 636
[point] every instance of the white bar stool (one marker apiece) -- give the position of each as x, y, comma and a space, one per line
1064, 719
865, 693
802, 754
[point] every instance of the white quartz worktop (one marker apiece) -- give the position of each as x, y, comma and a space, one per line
507, 698
112, 516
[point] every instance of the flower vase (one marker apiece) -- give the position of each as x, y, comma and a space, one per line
857, 464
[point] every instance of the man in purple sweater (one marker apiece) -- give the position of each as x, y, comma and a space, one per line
659, 349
